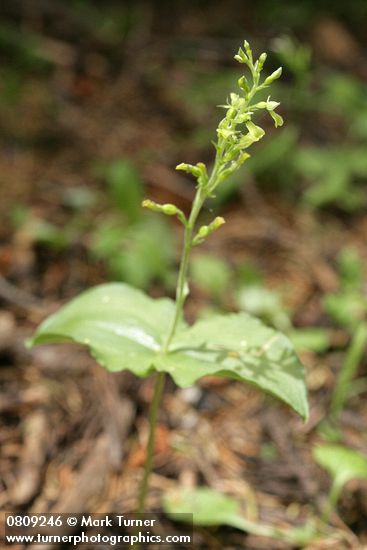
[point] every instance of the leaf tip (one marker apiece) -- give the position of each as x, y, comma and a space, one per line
30, 342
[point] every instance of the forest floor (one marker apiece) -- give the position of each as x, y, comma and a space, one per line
72, 435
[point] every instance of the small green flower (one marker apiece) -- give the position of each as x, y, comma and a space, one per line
168, 209
236, 132
270, 79
206, 230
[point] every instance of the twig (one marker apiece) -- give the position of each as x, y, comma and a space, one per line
18, 296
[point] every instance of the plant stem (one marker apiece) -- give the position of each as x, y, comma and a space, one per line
331, 502
158, 388
181, 289
181, 293
153, 415
352, 360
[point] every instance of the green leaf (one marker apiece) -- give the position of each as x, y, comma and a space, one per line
316, 339
125, 329
209, 507
238, 346
342, 463
122, 327
347, 308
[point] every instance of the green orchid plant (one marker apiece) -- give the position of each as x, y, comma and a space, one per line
126, 329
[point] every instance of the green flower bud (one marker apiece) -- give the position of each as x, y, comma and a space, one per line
216, 223
231, 113
246, 45
151, 205
203, 231
262, 60
261, 105
268, 105
238, 58
169, 209
242, 158
189, 168
276, 74
241, 56
206, 230
243, 84
199, 171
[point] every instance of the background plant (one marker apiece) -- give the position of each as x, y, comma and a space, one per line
348, 307
127, 241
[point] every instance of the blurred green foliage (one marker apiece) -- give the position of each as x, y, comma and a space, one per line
343, 464
348, 306
24, 54
264, 303
138, 247
140, 253
125, 187
212, 274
